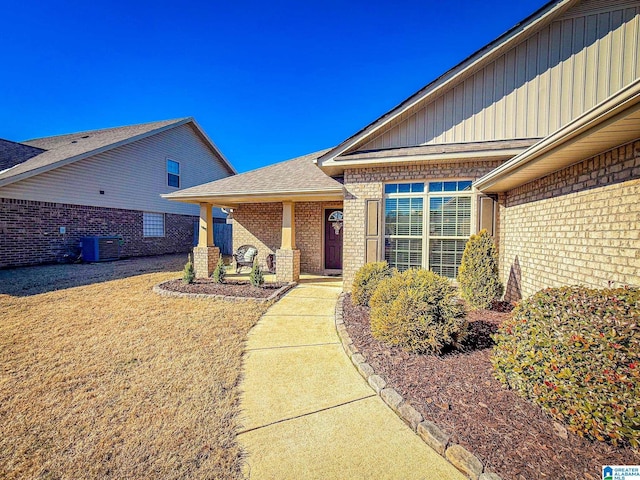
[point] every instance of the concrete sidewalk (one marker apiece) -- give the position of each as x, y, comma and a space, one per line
307, 413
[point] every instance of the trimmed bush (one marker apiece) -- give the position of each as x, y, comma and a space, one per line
188, 274
418, 311
478, 277
219, 272
367, 279
576, 353
256, 277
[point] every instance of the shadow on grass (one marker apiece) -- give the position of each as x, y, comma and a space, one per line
26, 281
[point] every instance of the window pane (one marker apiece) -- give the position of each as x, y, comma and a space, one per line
435, 186
153, 224
404, 188
450, 186
417, 187
462, 186
173, 180
173, 167
403, 253
445, 256
391, 188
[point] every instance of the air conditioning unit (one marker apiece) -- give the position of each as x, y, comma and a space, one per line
100, 249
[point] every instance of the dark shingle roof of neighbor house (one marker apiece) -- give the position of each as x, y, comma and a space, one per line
297, 175
14, 153
62, 149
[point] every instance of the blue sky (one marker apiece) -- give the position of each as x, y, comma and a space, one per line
267, 81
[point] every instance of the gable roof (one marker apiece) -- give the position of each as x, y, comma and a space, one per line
64, 149
470, 65
288, 180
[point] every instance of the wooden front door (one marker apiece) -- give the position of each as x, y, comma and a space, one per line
333, 231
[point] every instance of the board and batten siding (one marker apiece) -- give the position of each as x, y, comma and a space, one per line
541, 84
132, 176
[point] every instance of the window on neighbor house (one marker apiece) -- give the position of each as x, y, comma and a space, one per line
152, 224
427, 225
173, 174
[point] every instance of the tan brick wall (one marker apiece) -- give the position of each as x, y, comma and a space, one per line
367, 183
260, 224
580, 225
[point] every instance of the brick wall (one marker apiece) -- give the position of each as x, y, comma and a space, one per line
260, 224
30, 231
580, 225
367, 183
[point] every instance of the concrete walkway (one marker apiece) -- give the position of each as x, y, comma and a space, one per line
307, 413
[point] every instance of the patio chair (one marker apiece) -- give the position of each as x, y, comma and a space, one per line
244, 256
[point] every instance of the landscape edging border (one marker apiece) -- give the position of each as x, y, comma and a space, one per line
429, 432
279, 293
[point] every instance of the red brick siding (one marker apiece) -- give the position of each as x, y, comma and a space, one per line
30, 231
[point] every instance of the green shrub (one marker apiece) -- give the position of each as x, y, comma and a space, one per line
417, 310
367, 279
188, 274
576, 353
256, 277
478, 277
219, 272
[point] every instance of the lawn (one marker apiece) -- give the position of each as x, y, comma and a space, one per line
104, 379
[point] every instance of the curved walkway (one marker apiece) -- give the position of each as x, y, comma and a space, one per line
307, 413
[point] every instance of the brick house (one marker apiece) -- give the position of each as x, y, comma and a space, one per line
55, 190
535, 137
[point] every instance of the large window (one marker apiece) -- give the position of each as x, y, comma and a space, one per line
152, 224
442, 232
173, 174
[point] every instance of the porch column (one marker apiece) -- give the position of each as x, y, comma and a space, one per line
205, 255
287, 256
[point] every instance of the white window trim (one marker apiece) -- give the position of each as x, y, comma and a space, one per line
167, 172
426, 196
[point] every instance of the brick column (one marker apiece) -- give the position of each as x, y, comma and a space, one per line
287, 265
205, 260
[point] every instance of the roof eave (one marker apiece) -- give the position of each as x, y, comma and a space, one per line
231, 199
624, 103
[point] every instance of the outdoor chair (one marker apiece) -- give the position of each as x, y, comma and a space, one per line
244, 256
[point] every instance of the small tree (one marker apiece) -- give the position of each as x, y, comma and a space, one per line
256, 277
478, 277
188, 274
219, 272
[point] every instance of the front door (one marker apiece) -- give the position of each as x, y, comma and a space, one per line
333, 239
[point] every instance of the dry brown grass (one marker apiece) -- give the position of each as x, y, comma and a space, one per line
108, 380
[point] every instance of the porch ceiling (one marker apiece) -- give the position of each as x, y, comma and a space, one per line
233, 200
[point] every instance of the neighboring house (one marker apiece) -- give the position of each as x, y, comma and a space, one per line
55, 190
535, 137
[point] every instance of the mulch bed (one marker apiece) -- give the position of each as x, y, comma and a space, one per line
458, 392
228, 289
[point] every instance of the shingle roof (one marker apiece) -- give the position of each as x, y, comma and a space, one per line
13, 153
62, 149
298, 175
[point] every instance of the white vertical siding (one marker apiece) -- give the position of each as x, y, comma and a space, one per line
544, 82
132, 176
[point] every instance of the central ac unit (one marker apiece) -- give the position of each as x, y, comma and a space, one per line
100, 249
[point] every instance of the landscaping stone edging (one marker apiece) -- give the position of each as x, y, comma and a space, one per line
429, 432
279, 293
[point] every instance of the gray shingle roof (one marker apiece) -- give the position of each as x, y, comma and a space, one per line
298, 175
13, 153
74, 146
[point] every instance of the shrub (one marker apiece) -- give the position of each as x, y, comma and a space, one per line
219, 272
367, 279
417, 310
256, 277
576, 353
188, 274
478, 277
